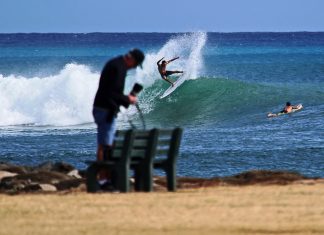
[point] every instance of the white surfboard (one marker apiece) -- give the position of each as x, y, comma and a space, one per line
172, 88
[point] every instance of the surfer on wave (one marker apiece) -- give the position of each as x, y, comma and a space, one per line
165, 73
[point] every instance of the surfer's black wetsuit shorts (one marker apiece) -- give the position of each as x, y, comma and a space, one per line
167, 73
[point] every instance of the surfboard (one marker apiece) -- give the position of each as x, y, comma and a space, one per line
298, 108
171, 89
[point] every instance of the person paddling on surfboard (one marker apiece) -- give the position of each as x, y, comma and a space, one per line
287, 109
165, 73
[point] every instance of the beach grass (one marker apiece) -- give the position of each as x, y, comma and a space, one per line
289, 209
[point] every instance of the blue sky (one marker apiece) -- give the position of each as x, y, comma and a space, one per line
160, 16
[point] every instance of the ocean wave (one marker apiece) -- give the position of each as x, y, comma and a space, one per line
210, 100
66, 98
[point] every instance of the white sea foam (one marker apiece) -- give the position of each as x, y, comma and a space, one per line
62, 99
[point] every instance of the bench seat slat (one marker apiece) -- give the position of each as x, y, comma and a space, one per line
141, 143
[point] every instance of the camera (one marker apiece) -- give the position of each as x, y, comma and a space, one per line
136, 89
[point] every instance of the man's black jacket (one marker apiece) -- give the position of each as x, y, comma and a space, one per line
110, 94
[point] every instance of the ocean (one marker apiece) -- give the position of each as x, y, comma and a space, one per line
232, 80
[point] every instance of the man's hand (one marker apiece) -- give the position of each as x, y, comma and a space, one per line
132, 99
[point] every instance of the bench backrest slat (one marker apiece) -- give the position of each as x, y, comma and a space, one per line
138, 153
149, 144
123, 145
168, 144
141, 143
145, 144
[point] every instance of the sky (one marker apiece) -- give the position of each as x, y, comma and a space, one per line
84, 16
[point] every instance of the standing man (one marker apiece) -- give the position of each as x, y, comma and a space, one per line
110, 96
165, 73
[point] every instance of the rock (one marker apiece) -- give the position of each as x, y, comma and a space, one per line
42, 177
69, 184
48, 188
30, 188
34, 187
83, 173
74, 173
13, 168
57, 166
4, 174
47, 177
263, 177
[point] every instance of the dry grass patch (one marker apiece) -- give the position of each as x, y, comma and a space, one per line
292, 209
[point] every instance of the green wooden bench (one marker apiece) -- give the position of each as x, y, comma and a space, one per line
140, 151
165, 150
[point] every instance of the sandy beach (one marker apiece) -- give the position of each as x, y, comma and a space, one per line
297, 208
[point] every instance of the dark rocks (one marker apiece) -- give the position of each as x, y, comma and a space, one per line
264, 177
254, 177
57, 166
47, 177
69, 184
42, 177
12, 168
56, 177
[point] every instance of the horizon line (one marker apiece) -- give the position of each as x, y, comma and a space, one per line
224, 32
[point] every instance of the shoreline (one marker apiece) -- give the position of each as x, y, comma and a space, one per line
60, 177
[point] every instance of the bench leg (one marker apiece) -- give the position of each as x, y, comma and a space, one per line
138, 179
91, 180
171, 178
122, 179
147, 178
143, 178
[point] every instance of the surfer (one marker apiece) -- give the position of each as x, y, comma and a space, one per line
289, 108
165, 73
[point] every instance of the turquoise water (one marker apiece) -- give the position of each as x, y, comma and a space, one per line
48, 82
